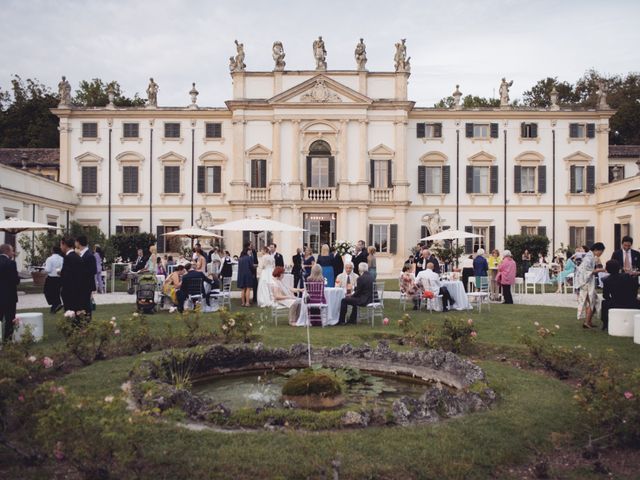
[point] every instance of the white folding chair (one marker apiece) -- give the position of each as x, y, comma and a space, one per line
276, 309
479, 298
224, 297
376, 307
518, 287
566, 286
471, 284
530, 284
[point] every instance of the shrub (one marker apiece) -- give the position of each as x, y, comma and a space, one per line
87, 340
457, 336
239, 325
126, 245
134, 333
312, 382
518, 243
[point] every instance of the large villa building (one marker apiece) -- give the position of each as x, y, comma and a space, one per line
346, 155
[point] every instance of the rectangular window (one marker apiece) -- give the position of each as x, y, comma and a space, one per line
480, 180
89, 179
172, 130
577, 236
380, 238
529, 230
481, 130
582, 130
529, 130
171, 179
483, 240
129, 179
429, 130
319, 172
258, 174
212, 181
213, 130
380, 173
528, 179
127, 229
131, 130
90, 130
579, 181
433, 180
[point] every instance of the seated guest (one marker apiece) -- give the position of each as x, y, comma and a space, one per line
408, 285
284, 296
140, 262
315, 289
620, 291
430, 281
183, 292
569, 268
480, 269
161, 270
326, 262
172, 284
348, 279
362, 295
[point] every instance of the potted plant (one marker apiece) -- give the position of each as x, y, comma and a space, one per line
36, 251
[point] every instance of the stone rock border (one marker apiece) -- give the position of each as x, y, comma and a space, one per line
152, 387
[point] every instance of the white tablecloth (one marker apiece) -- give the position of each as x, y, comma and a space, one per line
538, 275
333, 297
287, 279
458, 295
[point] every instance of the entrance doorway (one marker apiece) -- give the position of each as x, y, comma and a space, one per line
320, 229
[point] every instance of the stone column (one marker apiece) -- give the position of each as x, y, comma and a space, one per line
276, 155
65, 153
362, 230
238, 181
400, 161
343, 180
342, 225
296, 185
363, 184
602, 161
401, 252
362, 82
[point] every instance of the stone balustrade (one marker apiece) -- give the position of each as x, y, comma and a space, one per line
257, 194
381, 195
320, 194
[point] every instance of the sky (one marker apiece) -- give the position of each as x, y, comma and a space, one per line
473, 43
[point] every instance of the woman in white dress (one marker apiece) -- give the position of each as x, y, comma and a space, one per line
266, 264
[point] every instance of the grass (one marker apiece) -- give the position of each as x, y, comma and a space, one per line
532, 406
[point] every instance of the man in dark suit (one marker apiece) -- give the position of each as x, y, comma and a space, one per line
620, 291
362, 295
89, 270
187, 279
71, 275
9, 281
277, 257
298, 280
432, 259
627, 257
361, 255
140, 261
254, 254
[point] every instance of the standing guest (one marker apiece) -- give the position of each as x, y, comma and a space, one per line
526, 261
431, 258
429, 280
277, 256
348, 279
71, 276
361, 255
99, 256
494, 262
226, 270
254, 255
183, 293
326, 262
480, 269
161, 270
371, 262
9, 281
506, 276
262, 257
53, 266
620, 291
308, 261
170, 261
266, 264
338, 265
298, 280
246, 276
418, 252
467, 270
215, 261
284, 296
362, 295
542, 259
421, 264
316, 295
408, 285
585, 279
200, 264
88, 280
627, 257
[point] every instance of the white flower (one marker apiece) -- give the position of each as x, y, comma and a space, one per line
536, 324
108, 398
69, 314
136, 314
113, 319
32, 359
557, 327
173, 309
232, 322
116, 331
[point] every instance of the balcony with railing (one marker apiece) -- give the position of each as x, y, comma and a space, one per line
256, 194
320, 194
380, 195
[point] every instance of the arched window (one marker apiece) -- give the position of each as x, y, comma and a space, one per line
320, 166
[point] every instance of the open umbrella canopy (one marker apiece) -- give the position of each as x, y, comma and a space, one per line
192, 232
450, 235
16, 225
256, 224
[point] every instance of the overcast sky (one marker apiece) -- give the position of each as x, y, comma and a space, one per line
470, 42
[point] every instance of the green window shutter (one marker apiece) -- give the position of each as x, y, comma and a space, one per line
494, 130
517, 179
420, 130
534, 130
332, 172
422, 179
469, 179
573, 130
591, 235
591, 179
161, 239
372, 173
572, 237
492, 238
572, 175
468, 242
617, 234
542, 179
119, 229
393, 238
468, 130
591, 130
523, 130
309, 169
446, 179
246, 238
542, 231
437, 130
254, 174
389, 174
201, 179
523, 230
370, 235
217, 179
493, 180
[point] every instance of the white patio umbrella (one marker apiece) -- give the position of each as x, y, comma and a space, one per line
450, 235
256, 224
15, 225
192, 232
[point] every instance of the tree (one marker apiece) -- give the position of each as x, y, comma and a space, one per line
469, 101
539, 95
25, 119
94, 94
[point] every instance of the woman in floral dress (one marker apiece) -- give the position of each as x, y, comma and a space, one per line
585, 279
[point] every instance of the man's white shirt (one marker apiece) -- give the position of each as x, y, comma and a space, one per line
429, 280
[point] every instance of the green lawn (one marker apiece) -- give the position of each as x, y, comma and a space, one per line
532, 406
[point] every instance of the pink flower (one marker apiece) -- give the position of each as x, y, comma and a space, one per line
116, 331
628, 395
474, 334
16, 322
47, 362
470, 321
21, 398
385, 321
57, 451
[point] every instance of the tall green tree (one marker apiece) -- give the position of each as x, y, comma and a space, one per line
25, 119
469, 101
540, 94
94, 94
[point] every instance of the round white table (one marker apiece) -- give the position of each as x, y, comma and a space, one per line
538, 275
458, 295
333, 297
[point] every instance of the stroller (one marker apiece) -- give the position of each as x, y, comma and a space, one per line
146, 293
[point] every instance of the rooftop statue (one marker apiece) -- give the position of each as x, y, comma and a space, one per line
320, 54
